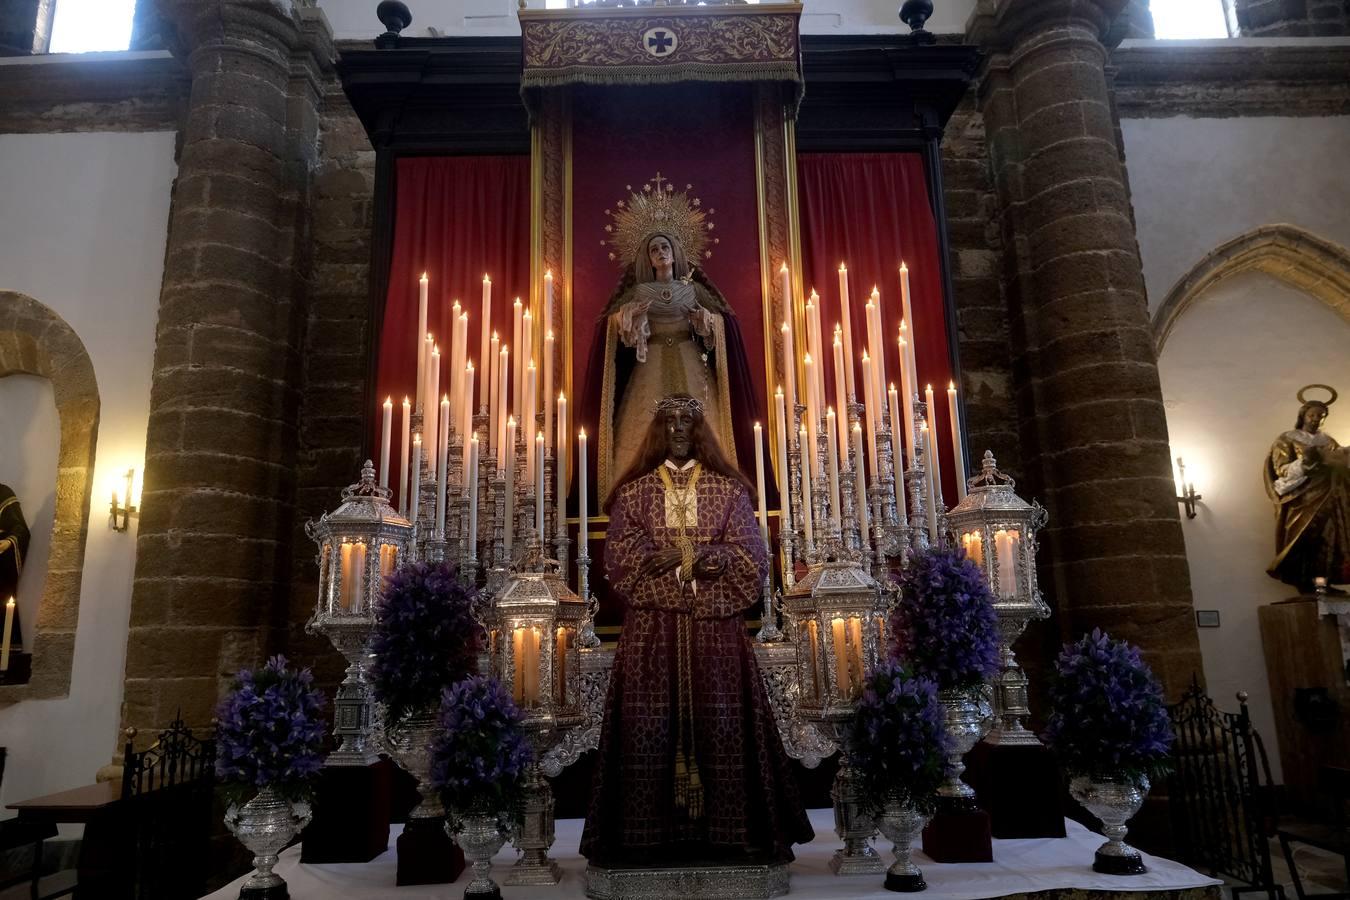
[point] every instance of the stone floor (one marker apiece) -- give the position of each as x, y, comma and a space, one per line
1322, 872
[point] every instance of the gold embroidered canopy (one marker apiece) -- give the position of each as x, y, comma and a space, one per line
661, 44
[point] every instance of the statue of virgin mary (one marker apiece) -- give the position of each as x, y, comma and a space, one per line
666, 330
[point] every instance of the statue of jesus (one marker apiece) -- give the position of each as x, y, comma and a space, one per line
690, 764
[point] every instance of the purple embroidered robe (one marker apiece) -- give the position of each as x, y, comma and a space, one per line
749, 801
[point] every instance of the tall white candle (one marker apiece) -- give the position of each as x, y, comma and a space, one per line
442, 456
513, 404
923, 445
897, 458
784, 477
935, 456
583, 518
833, 453
526, 422
503, 373
538, 479
870, 404
912, 334
490, 370
906, 310
804, 441
560, 469
458, 358
424, 375
880, 361
846, 310
509, 530
759, 483
860, 484
869, 369
422, 347
8, 635
840, 391
958, 444
456, 366
431, 412
547, 396
817, 353
386, 435
416, 490
473, 498
485, 354
404, 451
466, 425
908, 388
525, 415
790, 383
812, 415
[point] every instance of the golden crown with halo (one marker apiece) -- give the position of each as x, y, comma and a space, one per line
659, 207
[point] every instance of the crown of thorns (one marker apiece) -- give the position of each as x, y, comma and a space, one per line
685, 404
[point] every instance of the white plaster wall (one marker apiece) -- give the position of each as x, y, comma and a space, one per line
355, 19
82, 230
1199, 182
1231, 370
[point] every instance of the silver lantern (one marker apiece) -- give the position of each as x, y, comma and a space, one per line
836, 616
534, 629
360, 543
998, 529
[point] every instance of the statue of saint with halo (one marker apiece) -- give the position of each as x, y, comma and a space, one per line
666, 330
1307, 476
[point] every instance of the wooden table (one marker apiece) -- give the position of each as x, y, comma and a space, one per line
97, 807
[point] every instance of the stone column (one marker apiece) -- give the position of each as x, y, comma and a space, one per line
1292, 18
1093, 429
213, 554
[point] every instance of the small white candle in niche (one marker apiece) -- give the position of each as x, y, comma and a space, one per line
1007, 545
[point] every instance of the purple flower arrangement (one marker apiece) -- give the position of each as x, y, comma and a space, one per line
898, 739
1107, 710
425, 637
944, 625
480, 754
269, 731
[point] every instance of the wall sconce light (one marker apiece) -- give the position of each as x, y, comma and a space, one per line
119, 514
1188, 498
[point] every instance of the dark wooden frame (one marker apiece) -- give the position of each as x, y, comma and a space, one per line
461, 96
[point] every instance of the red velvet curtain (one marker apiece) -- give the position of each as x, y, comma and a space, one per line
457, 218
871, 211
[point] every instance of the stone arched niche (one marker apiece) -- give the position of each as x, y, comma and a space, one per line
1297, 257
34, 340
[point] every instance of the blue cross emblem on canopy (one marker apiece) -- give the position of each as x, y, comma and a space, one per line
660, 41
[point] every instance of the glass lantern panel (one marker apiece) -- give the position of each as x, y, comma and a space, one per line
973, 542
388, 559
855, 656
562, 641
1008, 546
353, 585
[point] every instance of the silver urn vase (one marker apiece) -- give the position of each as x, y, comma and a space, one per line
1114, 799
264, 825
409, 743
901, 824
480, 834
968, 717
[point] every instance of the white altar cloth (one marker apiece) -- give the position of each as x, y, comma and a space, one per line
1019, 866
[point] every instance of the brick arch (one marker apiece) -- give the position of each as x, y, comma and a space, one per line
34, 340
1299, 258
